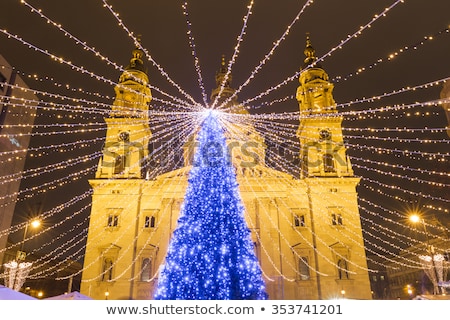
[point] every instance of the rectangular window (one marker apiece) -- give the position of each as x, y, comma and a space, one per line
299, 217
303, 268
336, 219
328, 162
299, 221
113, 220
149, 222
150, 217
120, 164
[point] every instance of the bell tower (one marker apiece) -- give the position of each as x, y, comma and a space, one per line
326, 171
116, 211
128, 132
322, 151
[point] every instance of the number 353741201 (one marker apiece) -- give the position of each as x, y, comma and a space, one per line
306, 309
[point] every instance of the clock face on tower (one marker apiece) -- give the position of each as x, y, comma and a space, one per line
324, 134
124, 136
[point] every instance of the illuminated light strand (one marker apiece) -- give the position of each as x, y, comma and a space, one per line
86, 157
397, 129
122, 255
194, 53
51, 133
149, 57
52, 184
232, 61
434, 183
271, 103
398, 198
361, 29
391, 56
30, 173
395, 213
402, 140
56, 84
399, 166
58, 181
329, 53
81, 69
391, 253
47, 258
78, 108
387, 232
394, 92
267, 56
86, 47
230, 127
362, 100
52, 256
358, 146
45, 215
410, 192
69, 232
80, 270
407, 153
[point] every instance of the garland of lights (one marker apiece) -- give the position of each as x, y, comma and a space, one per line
267, 122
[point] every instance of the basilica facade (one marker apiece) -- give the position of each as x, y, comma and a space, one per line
305, 228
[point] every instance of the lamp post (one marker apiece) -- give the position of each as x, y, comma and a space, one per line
17, 270
415, 218
35, 223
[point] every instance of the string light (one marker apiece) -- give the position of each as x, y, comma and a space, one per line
274, 127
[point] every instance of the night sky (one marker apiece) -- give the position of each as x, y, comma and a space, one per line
215, 26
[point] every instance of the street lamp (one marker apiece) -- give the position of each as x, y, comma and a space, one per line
415, 218
35, 223
17, 270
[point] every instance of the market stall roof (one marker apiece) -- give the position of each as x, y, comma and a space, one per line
75, 295
10, 294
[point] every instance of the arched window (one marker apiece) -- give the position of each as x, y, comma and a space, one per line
119, 164
146, 269
342, 269
107, 270
303, 268
328, 162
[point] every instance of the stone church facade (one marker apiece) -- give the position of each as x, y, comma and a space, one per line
306, 229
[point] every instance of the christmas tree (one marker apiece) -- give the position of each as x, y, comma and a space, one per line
211, 256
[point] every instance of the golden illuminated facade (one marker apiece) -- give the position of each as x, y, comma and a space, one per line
306, 230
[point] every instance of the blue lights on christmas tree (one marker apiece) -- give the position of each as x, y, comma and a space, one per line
211, 255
